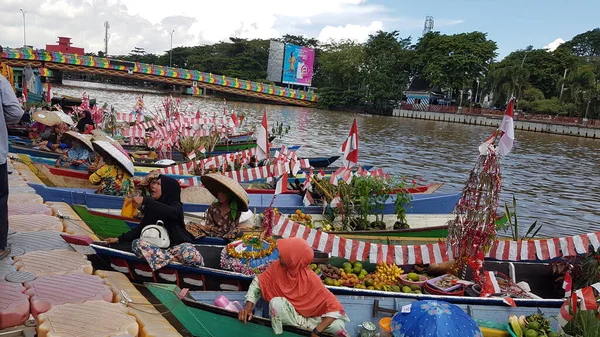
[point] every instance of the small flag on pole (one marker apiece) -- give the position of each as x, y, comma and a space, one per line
282, 184
507, 129
308, 199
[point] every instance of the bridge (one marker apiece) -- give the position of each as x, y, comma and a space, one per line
43, 59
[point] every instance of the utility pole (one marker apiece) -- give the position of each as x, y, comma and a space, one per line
106, 27
171, 52
477, 91
562, 87
24, 34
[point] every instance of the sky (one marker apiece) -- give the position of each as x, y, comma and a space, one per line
513, 24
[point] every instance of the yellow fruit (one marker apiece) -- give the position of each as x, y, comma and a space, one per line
298, 212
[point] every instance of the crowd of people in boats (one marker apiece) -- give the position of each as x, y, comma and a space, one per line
296, 295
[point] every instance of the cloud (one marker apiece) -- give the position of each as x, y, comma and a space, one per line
554, 44
146, 24
353, 32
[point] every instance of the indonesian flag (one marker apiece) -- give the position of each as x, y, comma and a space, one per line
202, 149
568, 284
191, 155
350, 147
588, 299
308, 199
282, 184
308, 181
262, 139
321, 174
336, 202
565, 315
236, 121
491, 285
507, 130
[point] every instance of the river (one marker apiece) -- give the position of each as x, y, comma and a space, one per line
553, 177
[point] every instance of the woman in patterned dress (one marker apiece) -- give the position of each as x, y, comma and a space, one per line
164, 204
222, 219
114, 176
296, 295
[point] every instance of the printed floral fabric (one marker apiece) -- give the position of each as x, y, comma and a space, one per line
76, 156
283, 313
113, 180
218, 224
157, 258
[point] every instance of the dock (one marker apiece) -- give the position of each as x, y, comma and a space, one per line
50, 289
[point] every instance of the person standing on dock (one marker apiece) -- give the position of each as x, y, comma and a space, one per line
10, 112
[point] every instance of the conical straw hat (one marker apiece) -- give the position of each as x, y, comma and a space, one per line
103, 136
48, 118
64, 117
85, 139
196, 195
215, 182
107, 149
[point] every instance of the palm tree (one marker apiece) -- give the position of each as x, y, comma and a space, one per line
580, 87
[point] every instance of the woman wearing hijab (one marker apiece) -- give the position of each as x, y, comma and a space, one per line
222, 218
164, 204
296, 295
86, 123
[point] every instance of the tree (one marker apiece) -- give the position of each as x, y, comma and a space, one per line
580, 87
453, 62
585, 44
384, 75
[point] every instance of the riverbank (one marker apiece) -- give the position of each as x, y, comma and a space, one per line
495, 120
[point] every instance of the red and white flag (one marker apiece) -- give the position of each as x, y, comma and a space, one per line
308, 199
568, 284
282, 184
350, 147
192, 155
321, 174
236, 121
336, 202
507, 129
262, 139
588, 299
202, 149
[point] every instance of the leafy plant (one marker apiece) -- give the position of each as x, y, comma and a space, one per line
512, 223
584, 324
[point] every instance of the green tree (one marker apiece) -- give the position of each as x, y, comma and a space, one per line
585, 44
453, 62
384, 72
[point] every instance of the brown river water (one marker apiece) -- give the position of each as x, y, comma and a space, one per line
554, 178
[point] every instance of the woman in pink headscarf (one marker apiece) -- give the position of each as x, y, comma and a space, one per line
296, 295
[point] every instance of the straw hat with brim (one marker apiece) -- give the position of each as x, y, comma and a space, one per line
104, 137
109, 150
64, 117
82, 138
196, 195
48, 118
215, 182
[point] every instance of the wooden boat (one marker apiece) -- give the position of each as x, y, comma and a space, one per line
105, 224
322, 162
436, 203
69, 101
212, 277
198, 306
425, 189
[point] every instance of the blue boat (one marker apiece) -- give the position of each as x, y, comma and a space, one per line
322, 162
435, 203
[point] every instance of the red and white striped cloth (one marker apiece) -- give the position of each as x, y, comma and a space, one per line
131, 132
128, 117
427, 253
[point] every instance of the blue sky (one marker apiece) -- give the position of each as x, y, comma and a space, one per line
512, 24
141, 23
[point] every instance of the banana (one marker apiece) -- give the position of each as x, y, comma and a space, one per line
513, 320
523, 322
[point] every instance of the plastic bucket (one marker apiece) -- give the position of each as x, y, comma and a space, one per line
221, 301
385, 329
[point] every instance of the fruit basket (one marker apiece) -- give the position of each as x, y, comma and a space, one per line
405, 280
512, 333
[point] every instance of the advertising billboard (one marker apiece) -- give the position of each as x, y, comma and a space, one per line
298, 65
275, 65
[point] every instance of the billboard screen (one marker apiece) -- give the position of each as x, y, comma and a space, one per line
298, 65
275, 65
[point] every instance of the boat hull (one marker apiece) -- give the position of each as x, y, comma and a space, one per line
286, 203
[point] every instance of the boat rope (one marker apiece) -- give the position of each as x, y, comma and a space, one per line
71, 221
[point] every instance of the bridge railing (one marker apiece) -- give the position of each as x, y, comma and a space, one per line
151, 69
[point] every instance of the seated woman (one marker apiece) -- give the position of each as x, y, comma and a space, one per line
296, 295
222, 218
165, 205
78, 154
114, 176
86, 123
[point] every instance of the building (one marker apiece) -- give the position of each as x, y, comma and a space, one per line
420, 94
64, 46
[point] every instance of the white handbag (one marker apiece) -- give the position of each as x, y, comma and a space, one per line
156, 234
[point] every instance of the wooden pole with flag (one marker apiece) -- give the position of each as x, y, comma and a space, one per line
350, 147
262, 139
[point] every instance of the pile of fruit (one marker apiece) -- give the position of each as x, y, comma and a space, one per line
413, 288
300, 217
386, 277
531, 326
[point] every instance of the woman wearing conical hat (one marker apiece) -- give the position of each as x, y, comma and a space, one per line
79, 152
114, 177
